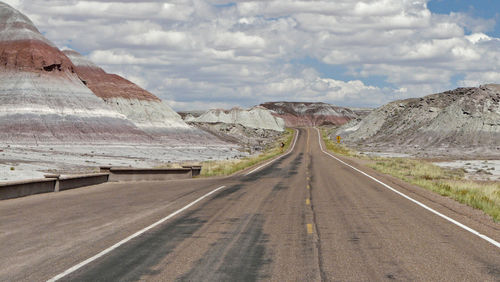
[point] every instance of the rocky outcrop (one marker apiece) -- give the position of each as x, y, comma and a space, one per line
256, 117
312, 114
464, 120
250, 139
41, 97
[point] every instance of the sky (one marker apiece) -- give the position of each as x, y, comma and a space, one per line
200, 54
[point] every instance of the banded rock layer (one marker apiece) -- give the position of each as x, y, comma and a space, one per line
145, 110
42, 99
311, 114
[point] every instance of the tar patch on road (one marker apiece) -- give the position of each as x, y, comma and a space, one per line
130, 262
295, 165
280, 186
228, 191
238, 256
272, 169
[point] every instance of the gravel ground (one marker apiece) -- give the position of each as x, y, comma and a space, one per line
476, 169
27, 162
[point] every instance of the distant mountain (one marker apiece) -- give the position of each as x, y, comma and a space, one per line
458, 121
256, 117
41, 97
313, 114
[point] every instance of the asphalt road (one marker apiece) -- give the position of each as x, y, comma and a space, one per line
304, 217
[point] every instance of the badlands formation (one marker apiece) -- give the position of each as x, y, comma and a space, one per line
253, 129
256, 117
42, 99
464, 122
146, 111
54, 120
312, 114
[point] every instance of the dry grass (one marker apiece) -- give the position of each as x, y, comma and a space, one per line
334, 147
222, 168
447, 182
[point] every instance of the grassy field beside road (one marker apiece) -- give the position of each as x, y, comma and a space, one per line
451, 183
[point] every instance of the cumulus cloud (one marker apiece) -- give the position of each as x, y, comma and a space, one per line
203, 53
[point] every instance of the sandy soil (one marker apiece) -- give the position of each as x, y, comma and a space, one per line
484, 170
476, 169
27, 162
387, 154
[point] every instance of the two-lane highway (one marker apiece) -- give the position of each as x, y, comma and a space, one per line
304, 217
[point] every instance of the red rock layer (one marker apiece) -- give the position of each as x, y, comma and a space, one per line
41, 97
293, 120
107, 85
32, 55
310, 114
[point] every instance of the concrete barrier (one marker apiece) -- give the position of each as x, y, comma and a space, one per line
196, 169
51, 183
16, 189
147, 174
77, 181
55, 183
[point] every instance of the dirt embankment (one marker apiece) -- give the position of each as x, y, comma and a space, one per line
251, 139
464, 122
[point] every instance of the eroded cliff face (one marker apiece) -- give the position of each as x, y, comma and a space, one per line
311, 114
41, 97
256, 117
140, 106
462, 120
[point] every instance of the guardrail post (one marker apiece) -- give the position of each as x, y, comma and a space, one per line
195, 169
105, 169
56, 176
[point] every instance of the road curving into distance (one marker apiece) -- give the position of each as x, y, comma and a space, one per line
304, 217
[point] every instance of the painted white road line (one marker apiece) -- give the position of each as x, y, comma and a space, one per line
482, 236
270, 162
136, 234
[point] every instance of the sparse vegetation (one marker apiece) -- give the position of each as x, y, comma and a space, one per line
227, 167
447, 182
335, 147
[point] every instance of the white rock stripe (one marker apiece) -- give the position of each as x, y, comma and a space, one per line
270, 162
482, 236
256, 117
136, 234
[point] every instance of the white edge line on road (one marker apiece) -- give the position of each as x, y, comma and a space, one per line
136, 234
268, 163
495, 243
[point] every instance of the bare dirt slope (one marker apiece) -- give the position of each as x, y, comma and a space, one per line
144, 109
255, 117
464, 121
41, 98
313, 114
250, 139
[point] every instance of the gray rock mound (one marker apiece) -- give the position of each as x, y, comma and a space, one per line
256, 117
460, 121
